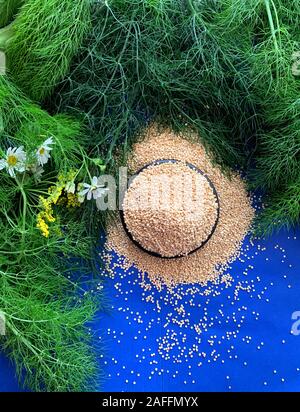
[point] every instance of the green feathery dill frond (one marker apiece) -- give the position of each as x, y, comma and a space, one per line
42, 297
8, 9
224, 68
30, 125
164, 59
46, 338
275, 86
282, 210
43, 294
47, 35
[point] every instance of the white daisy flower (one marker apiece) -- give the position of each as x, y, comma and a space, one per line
14, 161
94, 190
70, 187
43, 152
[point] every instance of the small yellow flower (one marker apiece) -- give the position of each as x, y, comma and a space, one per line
62, 201
46, 215
56, 198
42, 225
49, 217
45, 203
56, 195
72, 200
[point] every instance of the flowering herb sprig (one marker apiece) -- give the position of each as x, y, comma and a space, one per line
17, 160
65, 192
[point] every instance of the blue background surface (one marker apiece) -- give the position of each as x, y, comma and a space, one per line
245, 343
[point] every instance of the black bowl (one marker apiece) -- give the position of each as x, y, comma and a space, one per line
191, 166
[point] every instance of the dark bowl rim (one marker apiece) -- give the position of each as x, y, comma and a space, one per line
193, 167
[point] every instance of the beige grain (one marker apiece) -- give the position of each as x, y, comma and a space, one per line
173, 235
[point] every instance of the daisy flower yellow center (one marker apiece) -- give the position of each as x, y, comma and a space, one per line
12, 160
42, 151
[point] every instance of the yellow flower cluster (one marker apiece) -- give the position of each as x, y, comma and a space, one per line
72, 200
45, 216
55, 193
62, 201
55, 198
42, 225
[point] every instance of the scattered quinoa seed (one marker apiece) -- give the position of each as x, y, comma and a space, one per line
175, 231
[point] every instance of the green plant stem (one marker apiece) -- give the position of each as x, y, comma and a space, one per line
277, 21
31, 347
85, 164
24, 340
20, 184
271, 22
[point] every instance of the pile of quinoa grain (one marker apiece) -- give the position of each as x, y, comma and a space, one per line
209, 262
170, 209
